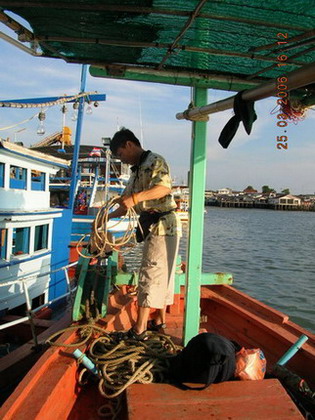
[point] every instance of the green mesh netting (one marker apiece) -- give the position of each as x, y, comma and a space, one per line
220, 41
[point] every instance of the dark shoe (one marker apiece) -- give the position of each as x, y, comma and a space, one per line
130, 335
153, 326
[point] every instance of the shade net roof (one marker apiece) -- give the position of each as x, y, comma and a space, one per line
224, 44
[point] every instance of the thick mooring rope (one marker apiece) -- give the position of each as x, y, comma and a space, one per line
85, 332
128, 361
121, 363
100, 237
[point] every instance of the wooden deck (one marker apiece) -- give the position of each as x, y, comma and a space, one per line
248, 400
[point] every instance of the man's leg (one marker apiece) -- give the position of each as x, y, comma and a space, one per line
143, 316
156, 280
142, 320
172, 244
160, 318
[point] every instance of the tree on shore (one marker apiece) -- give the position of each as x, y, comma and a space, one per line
267, 190
285, 191
249, 189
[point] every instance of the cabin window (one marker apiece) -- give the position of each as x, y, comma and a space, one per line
38, 180
3, 243
41, 237
1, 174
21, 241
290, 201
18, 177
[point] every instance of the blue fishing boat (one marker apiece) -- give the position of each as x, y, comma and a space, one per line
100, 179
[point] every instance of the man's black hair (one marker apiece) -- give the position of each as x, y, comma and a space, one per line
121, 137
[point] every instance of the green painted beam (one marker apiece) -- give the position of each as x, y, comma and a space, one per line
131, 279
94, 284
77, 309
118, 277
176, 78
207, 279
197, 186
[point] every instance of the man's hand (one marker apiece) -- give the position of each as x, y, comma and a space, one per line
126, 201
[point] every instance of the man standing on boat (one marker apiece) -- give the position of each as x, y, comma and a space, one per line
149, 192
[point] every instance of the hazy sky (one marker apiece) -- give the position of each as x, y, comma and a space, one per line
250, 160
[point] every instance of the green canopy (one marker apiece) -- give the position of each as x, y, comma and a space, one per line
222, 44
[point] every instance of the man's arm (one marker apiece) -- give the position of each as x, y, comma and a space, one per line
154, 193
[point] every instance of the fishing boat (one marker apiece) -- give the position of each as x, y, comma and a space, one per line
100, 179
232, 46
225, 311
31, 238
181, 197
34, 256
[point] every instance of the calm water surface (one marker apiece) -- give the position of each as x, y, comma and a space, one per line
271, 255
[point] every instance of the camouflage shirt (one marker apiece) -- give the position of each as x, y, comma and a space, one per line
153, 170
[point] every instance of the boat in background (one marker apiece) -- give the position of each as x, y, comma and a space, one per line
181, 197
33, 235
100, 178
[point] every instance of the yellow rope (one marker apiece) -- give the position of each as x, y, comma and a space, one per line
19, 123
101, 238
84, 331
122, 363
60, 101
129, 361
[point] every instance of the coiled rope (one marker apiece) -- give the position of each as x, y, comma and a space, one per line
128, 361
84, 331
121, 363
101, 239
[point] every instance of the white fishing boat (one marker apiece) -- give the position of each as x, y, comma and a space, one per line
181, 196
32, 233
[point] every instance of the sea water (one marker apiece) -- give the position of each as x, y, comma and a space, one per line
271, 255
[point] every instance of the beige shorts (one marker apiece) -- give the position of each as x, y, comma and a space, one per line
157, 272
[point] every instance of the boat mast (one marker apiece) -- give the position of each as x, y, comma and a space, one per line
107, 168
75, 157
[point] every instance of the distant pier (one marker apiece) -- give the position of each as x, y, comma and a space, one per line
258, 205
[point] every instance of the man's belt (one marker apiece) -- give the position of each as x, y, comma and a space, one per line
146, 220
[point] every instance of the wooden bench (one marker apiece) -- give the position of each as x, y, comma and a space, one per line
250, 400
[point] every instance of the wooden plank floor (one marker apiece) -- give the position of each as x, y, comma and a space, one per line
236, 400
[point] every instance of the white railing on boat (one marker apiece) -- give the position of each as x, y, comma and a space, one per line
29, 311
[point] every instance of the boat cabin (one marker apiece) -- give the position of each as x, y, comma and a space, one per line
27, 223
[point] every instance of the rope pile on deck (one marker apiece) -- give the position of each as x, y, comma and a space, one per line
128, 361
119, 364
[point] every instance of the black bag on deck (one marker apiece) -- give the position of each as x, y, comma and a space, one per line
208, 358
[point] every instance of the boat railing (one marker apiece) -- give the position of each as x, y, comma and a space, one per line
29, 311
